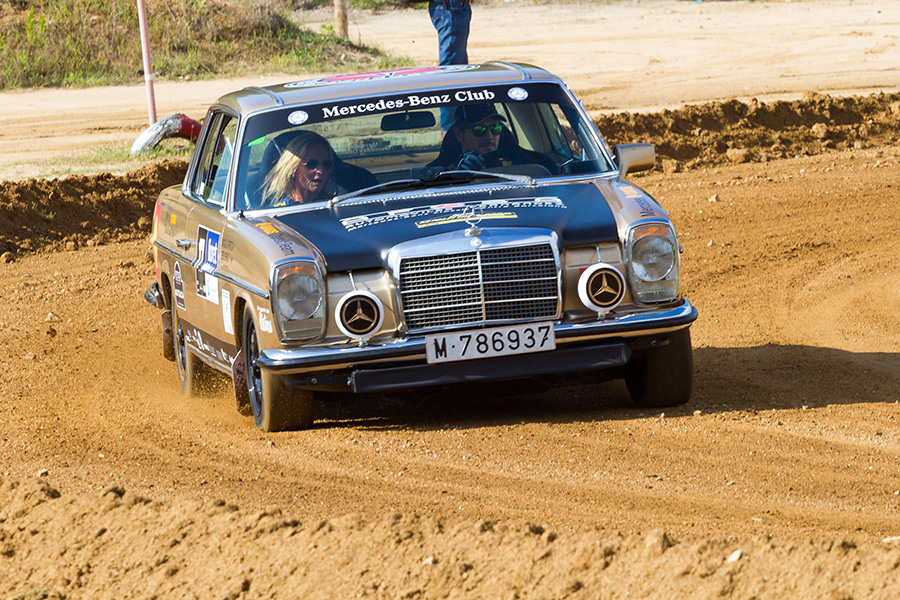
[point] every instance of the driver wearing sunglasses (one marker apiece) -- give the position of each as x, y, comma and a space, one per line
477, 129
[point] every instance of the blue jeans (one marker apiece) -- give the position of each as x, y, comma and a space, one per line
451, 19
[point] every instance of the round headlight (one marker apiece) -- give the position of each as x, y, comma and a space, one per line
299, 295
653, 257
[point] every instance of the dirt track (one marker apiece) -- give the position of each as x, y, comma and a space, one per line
778, 480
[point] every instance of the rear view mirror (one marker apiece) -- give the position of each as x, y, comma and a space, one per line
410, 120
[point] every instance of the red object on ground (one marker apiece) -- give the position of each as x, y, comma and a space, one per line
175, 126
189, 128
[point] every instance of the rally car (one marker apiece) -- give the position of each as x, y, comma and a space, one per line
415, 271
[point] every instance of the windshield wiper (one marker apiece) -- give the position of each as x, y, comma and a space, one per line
469, 175
398, 183
444, 177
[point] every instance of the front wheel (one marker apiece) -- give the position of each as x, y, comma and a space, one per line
275, 406
664, 376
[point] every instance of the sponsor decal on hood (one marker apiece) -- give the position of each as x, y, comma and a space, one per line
355, 235
456, 212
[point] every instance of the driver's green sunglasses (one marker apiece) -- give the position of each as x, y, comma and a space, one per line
481, 130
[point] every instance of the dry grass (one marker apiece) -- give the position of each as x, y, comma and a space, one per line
94, 42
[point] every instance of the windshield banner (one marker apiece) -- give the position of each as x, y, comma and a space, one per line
417, 100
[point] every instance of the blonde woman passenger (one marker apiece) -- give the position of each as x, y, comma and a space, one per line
302, 173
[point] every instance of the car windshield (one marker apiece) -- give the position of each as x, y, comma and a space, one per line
525, 129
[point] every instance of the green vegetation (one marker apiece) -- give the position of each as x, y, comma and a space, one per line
109, 158
97, 42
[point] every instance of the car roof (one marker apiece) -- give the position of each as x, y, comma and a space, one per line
380, 83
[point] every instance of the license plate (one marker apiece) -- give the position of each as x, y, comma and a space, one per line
485, 343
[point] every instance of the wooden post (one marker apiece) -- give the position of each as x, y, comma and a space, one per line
148, 69
341, 8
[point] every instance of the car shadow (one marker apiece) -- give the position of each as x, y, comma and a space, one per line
769, 377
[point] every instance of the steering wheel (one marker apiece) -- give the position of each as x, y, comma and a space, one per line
566, 166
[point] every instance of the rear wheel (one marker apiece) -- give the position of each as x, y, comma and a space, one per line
193, 375
275, 406
664, 376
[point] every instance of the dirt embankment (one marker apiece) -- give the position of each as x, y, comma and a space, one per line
719, 132
79, 210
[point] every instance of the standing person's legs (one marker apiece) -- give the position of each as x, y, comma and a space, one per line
451, 19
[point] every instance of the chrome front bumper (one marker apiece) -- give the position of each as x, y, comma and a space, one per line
568, 335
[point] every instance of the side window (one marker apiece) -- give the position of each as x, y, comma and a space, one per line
532, 126
564, 139
215, 160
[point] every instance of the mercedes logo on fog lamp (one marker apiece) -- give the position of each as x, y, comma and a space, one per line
359, 314
601, 288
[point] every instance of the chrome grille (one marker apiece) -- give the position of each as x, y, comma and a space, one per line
485, 285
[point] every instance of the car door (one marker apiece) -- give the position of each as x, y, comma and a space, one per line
208, 301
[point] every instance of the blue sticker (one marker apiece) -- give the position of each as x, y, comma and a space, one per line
207, 262
208, 248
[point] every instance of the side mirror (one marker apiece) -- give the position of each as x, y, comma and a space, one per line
633, 158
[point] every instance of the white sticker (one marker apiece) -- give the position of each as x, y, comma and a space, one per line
226, 312
517, 93
298, 117
208, 287
265, 319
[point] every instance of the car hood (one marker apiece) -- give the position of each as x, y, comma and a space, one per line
359, 233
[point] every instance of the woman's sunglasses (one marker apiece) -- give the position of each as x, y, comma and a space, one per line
313, 164
481, 130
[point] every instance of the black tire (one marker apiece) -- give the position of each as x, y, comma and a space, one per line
275, 406
241, 389
664, 375
193, 375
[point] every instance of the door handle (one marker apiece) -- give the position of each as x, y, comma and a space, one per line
184, 243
